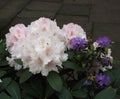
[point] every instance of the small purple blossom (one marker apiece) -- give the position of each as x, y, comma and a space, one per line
106, 60
103, 42
87, 83
102, 80
78, 43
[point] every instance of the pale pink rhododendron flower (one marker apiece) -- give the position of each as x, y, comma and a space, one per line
42, 49
73, 30
15, 34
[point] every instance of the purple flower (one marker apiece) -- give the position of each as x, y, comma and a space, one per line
102, 80
87, 83
106, 60
78, 43
103, 42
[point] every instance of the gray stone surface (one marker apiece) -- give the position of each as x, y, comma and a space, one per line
79, 1
10, 10
43, 6
75, 9
3, 3
106, 29
116, 51
106, 11
36, 14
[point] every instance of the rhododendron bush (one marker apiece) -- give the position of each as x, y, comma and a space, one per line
44, 61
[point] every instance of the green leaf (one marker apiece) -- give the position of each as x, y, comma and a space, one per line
3, 63
27, 89
116, 75
70, 54
2, 46
118, 91
49, 92
2, 73
3, 51
78, 85
55, 81
5, 82
108, 93
65, 94
13, 90
37, 87
110, 74
28, 97
79, 93
25, 76
19, 61
4, 96
71, 65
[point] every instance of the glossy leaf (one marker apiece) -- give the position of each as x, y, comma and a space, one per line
37, 87
71, 65
19, 61
4, 96
108, 93
13, 90
27, 89
3, 62
49, 92
65, 94
78, 85
70, 54
5, 82
55, 81
79, 93
25, 76
2, 73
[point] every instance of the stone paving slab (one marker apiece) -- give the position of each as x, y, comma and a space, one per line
22, 20
27, 17
35, 14
75, 9
49, 0
3, 3
43, 6
107, 29
9, 11
106, 11
79, 1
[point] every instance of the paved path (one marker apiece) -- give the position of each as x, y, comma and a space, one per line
97, 17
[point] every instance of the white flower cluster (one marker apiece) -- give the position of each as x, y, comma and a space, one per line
40, 46
105, 68
108, 55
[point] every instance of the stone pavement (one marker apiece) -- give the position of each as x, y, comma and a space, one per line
97, 17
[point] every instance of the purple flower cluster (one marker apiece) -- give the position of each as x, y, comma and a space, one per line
106, 60
78, 43
103, 42
102, 80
